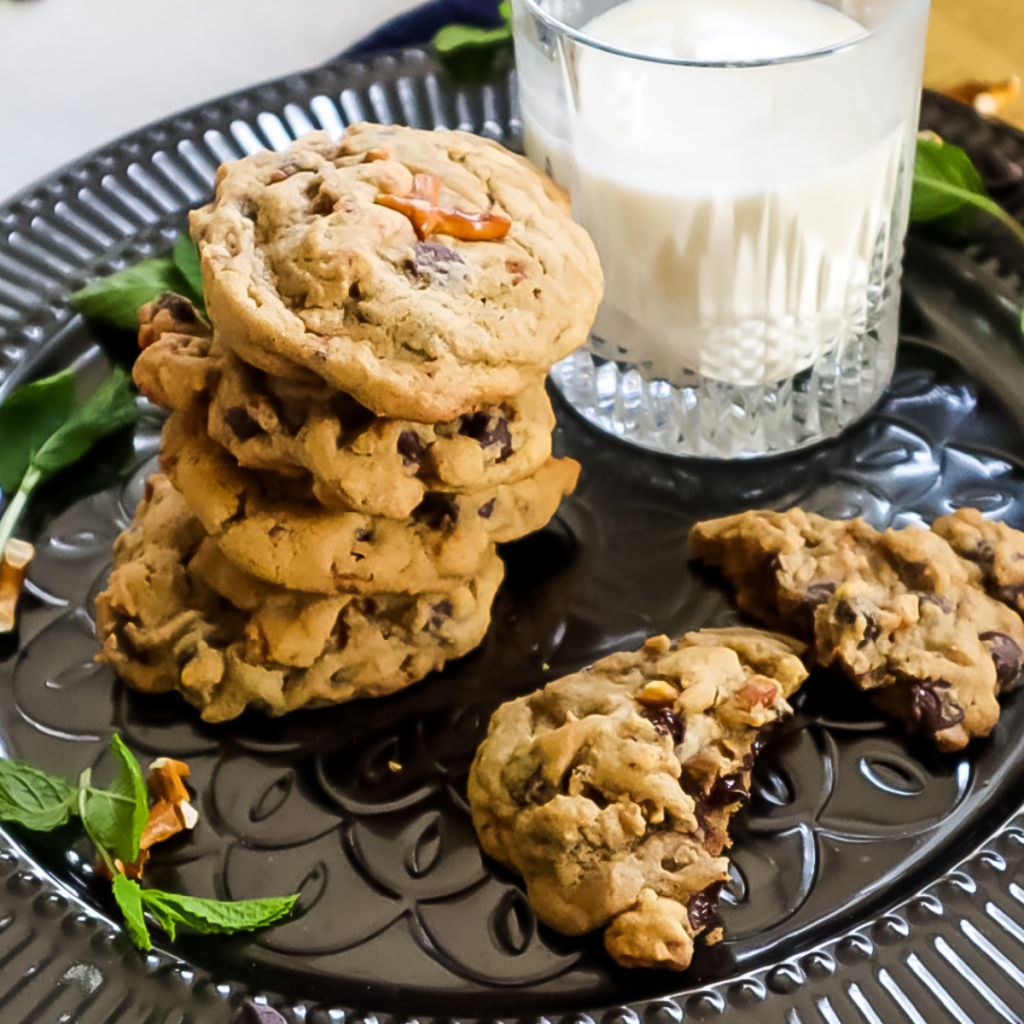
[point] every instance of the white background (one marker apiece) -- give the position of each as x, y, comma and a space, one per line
75, 74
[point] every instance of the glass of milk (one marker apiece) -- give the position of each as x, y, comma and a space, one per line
744, 167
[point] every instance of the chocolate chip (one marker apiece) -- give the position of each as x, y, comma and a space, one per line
1006, 656
668, 723
353, 416
441, 613
242, 425
940, 602
433, 261
437, 511
702, 909
844, 614
872, 631
178, 306
488, 429
1012, 595
816, 595
486, 510
929, 710
364, 536
410, 447
726, 790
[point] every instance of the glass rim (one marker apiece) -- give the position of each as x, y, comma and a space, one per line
763, 62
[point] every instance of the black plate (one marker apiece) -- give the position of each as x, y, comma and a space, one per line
859, 892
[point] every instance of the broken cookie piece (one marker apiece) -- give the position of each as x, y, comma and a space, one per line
611, 790
900, 612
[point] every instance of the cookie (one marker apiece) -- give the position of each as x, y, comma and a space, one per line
358, 462
309, 260
264, 528
610, 791
177, 615
995, 548
899, 612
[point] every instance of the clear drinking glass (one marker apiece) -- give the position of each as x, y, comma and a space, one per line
750, 218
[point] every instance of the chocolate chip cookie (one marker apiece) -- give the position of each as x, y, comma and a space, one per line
262, 524
995, 548
364, 262
610, 791
899, 612
357, 461
178, 615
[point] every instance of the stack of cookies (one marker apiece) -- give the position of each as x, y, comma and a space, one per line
362, 421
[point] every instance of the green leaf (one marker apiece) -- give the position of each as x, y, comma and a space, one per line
214, 917
27, 418
458, 39
34, 798
110, 408
116, 816
186, 259
116, 300
944, 181
948, 190
129, 898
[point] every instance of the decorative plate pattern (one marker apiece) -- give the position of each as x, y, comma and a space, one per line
874, 879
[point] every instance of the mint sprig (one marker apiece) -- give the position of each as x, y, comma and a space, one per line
114, 818
116, 300
44, 431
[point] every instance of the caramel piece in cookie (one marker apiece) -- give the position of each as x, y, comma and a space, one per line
177, 615
357, 462
262, 526
610, 791
304, 267
899, 612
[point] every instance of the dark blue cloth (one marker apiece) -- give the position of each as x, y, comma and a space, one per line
422, 24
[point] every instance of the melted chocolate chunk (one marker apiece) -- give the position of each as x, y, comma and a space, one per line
726, 790
845, 615
1006, 656
487, 429
411, 448
437, 511
668, 723
486, 510
441, 613
1012, 595
178, 306
702, 909
242, 425
929, 710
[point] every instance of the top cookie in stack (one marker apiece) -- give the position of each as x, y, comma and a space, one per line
365, 421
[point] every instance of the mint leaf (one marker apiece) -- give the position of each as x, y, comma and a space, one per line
186, 258
115, 817
944, 178
116, 300
27, 418
110, 408
453, 40
129, 898
213, 917
34, 798
948, 190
